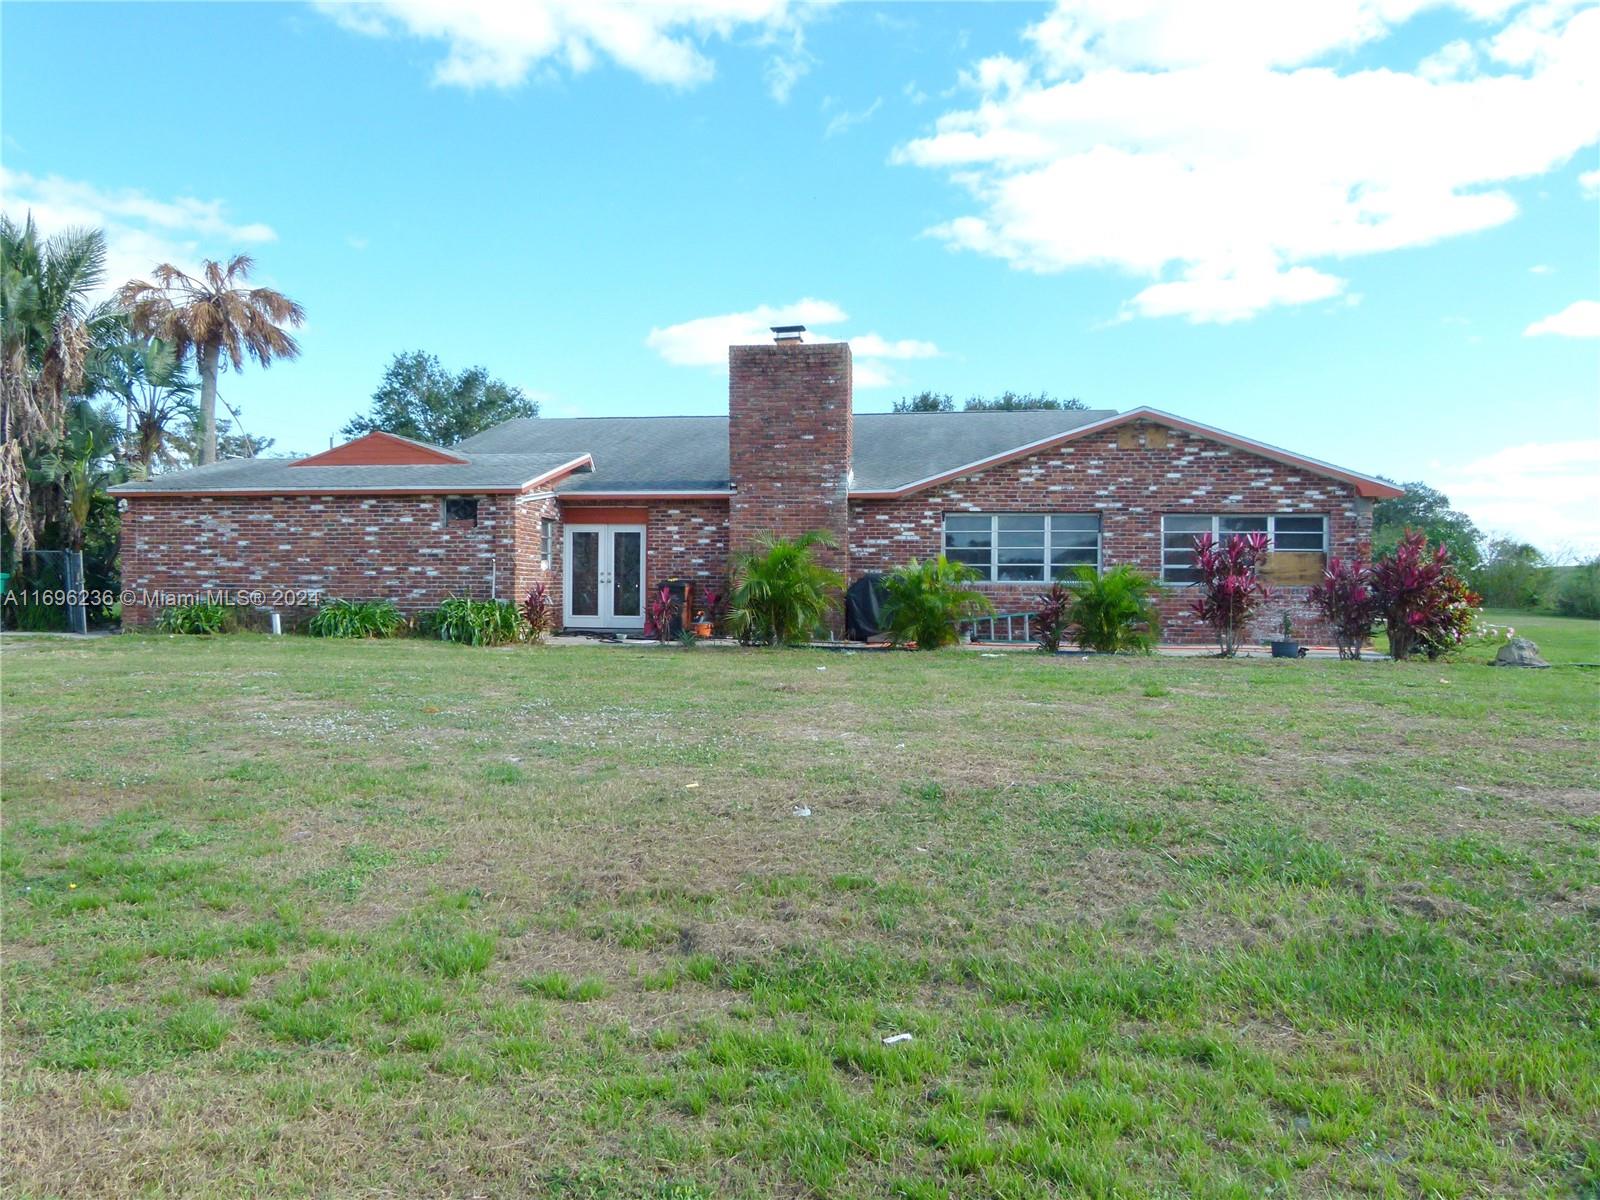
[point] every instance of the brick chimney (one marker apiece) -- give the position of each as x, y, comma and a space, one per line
789, 440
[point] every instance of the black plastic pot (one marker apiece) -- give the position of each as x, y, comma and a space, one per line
1286, 649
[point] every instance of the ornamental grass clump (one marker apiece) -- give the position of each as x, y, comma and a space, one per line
356, 619
478, 622
202, 617
781, 593
1230, 587
925, 602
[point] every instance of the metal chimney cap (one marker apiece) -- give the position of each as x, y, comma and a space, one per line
787, 333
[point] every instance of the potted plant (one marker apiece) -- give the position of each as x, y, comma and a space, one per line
1286, 646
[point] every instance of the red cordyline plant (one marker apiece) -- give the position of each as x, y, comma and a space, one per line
1346, 601
1425, 605
536, 612
660, 614
1230, 586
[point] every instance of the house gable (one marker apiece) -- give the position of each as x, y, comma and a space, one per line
381, 449
1126, 423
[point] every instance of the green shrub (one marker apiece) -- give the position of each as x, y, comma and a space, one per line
1577, 591
1115, 611
201, 617
356, 619
1511, 575
781, 594
925, 602
478, 622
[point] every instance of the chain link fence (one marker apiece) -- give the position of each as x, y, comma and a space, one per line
46, 594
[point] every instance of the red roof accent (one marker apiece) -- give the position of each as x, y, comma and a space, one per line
380, 449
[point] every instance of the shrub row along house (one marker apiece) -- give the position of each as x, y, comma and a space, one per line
602, 509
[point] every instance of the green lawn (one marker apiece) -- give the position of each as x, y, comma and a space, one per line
296, 918
1560, 639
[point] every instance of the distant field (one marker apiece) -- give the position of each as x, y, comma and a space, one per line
294, 918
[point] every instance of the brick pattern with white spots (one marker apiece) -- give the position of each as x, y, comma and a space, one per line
1130, 487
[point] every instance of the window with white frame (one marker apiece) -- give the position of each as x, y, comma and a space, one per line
1022, 547
1291, 533
547, 543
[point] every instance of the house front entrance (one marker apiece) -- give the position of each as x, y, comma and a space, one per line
604, 577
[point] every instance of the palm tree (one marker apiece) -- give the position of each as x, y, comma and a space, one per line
209, 316
149, 379
75, 467
47, 330
781, 593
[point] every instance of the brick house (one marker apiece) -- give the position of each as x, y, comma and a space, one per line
602, 509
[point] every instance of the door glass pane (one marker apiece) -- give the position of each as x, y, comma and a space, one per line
625, 591
585, 573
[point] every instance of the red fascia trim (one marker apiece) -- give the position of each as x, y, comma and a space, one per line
586, 497
319, 491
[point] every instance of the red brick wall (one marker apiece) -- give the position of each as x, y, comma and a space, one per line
789, 441
528, 548
1131, 489
352, 547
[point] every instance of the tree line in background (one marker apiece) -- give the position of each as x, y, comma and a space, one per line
1505, 572
927, 402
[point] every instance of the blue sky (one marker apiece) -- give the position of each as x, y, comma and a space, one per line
1364, 230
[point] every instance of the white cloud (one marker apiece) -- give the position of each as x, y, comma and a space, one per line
704, 341
1547, 493
870, 345
498, 43
1580, 319
1541, 269
844, 121
140, 230
1589, 184
1217, 156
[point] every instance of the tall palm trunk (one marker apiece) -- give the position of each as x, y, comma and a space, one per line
210, 358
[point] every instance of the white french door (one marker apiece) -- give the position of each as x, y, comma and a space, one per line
604, 577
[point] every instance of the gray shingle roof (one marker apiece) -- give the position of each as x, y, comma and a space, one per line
894, 449
691, 453
631, 454
481, 472
640, 454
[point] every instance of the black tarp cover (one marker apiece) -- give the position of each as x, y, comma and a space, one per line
863, 608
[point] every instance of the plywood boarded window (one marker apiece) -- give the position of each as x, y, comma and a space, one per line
1128, 438
1155, 436
1299, 544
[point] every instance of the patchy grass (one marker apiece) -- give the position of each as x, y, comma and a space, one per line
1560, 639
298, 917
